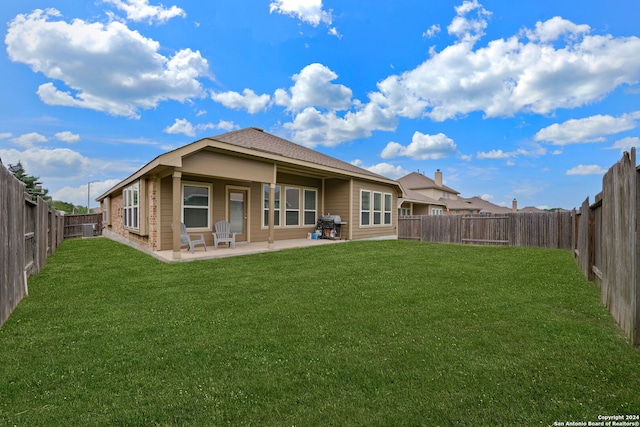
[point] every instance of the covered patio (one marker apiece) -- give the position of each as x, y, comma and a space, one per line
242, 248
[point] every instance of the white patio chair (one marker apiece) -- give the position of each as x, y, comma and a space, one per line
190, 240
223, 234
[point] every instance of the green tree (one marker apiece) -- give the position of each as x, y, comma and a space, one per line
33, 186
64, 207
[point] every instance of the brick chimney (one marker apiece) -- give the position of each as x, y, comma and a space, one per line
514, 205
438, 178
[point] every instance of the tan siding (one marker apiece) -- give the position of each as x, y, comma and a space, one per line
372, 232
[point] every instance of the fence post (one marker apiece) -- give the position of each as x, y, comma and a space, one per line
635, 301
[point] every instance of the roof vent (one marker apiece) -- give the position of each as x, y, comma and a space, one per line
257, 128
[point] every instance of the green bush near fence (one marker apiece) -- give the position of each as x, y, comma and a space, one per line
361, 333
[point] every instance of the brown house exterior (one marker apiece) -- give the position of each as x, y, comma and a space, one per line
235, 177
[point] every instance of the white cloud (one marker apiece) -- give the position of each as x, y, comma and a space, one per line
590, 129
248, 100
105, 67
433, 31
183, 126
586, 170
469, 28
28, 140
5, 135
77, 195
311, 127
555, 27
314, 88
333, 31
487, 197
535, 71
494, 154
499, 154
68, 137
625, 144
385, 169
141, 10
309, 11
49, 164
422, 147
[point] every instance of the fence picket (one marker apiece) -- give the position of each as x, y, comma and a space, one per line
25, 236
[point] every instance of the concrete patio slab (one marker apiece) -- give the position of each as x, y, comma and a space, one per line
242, 248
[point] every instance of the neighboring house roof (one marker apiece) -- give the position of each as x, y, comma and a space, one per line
417, 181
486, 206
460, 204
412, 196
254, 142
531, 209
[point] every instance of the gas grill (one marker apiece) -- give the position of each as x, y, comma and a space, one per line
330, 227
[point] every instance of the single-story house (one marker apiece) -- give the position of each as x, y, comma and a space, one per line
268, 188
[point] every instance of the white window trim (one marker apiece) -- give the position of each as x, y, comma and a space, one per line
304, 207
281, 213
387, 208
287, 210
384, 209
277, 211
209, 188
128, 194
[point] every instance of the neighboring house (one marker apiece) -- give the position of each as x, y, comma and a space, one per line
415, 203
531, 209
426, 196
491, 208
268, 188
438, 199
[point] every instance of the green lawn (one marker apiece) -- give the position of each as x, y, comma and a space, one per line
387, 333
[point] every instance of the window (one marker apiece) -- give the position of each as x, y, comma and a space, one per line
405, 211
300, 206
310, 210
387, 209
365, 207
195, 205
292, 206
375, 208
436, 211
276, 206
131, 209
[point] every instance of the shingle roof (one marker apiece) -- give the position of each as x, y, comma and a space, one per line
258, 140
416, 181
488, 207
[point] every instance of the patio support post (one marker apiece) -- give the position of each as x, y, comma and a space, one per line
272, 214
176, 219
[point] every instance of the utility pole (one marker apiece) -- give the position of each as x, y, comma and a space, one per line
88, 195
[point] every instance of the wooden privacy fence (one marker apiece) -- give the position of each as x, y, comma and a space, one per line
606, 243
29, 233
543, 230
86, 225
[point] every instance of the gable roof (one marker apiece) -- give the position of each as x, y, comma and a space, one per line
254, 142
412, 196
259, 140
417, 181
489, 207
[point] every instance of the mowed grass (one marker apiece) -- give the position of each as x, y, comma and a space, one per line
387, 333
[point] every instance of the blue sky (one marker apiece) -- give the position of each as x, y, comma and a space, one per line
533, 102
